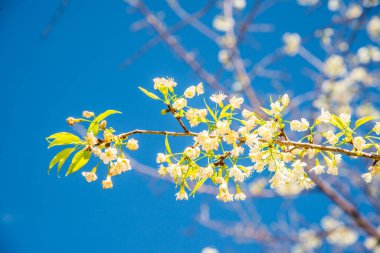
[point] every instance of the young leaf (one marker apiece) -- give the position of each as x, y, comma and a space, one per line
211, 112
198, 185
167, 145
60, 158
63, 138
364, 120
94, 126
149, 94
224, 113
337, 122
79, 160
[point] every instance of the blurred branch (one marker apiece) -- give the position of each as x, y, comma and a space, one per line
53, 21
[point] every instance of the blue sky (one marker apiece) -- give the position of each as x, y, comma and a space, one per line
43, 81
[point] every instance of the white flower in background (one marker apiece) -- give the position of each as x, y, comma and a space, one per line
199, 89
373, 27
333, 5
299, 126
325, 116
309, 239
376, 128
109, 154
353, 11
368, 54
236, 174
240, 196
367, 177
370, 3
209, 250
222, 23
224, 57
218, 97
107, 184
239, 4
190, 92
132, 144
179, 104
345, 117
161, 158
307, 2
236, 102
342, 236
358, 143
90, 176
334, 66
292, 42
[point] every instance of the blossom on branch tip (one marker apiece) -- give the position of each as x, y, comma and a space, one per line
87, 114
89, 176
108, 155
236, 102
132, 144
107, 183
179, 104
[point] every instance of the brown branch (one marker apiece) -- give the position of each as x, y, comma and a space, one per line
178, 118
327, 148
178, 49
155, 40
237, 61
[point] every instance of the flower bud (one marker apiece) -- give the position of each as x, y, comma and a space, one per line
71, 121
103, 124
87, 114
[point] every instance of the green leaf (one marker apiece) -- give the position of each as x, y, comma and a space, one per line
210, 111
167, 145
267, 111
224, 113
198, 185
62, 138
94, 126
364, 120
79, 160
60, 158
149, 94
337, 122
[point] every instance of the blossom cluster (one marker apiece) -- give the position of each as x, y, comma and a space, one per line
237, 142
100, 142
231, 144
